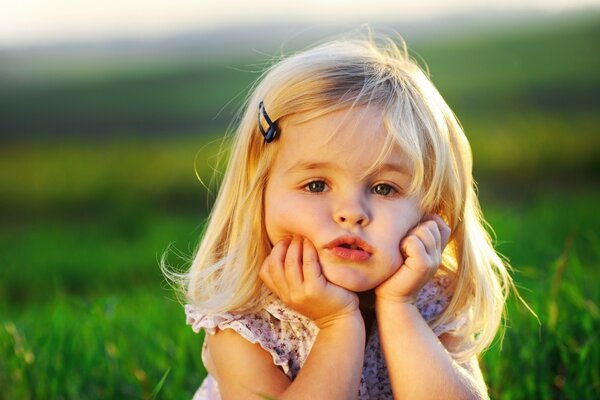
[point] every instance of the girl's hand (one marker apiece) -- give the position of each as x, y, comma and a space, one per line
422, 251
292, 271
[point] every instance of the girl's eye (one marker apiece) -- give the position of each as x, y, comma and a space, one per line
316, 186
382, 189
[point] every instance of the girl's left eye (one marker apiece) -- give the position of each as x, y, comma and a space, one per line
382, 189
315, 186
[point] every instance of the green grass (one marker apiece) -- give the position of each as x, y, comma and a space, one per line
117, 337
57, 174
116, 346
555, 249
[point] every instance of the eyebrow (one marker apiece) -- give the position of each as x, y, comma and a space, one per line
308, 166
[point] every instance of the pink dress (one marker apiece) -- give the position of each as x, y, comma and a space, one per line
288, 336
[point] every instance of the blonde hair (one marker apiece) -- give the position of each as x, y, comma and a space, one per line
336, 75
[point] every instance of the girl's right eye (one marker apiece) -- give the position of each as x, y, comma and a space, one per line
316, 186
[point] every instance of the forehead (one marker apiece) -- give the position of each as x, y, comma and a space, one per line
349, 137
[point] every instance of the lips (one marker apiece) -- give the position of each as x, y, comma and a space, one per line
350, 248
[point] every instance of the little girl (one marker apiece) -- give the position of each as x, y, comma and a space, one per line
345, 256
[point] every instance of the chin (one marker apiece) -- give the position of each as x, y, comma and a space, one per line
353, 284
356, 287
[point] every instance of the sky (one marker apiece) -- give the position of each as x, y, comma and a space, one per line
40, 22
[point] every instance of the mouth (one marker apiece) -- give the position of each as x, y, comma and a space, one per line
350, 248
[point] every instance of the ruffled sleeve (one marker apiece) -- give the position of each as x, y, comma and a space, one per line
285, 335
209, 322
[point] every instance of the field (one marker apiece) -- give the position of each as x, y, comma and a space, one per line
98, 177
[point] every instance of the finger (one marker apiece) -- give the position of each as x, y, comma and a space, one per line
266, 276
275, 267
432, 225
293, 263
412, 248
425, 233
444, 230
313, 274
279, 250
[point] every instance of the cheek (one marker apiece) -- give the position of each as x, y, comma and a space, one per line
277, 213
287, 217
276, 219
396, 229
398, 232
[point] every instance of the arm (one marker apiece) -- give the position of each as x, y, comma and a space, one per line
419, 364
246, 371
333, 368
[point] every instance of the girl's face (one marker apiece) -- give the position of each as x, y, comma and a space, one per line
317, 190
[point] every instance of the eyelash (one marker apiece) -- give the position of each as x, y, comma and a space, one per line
392, 191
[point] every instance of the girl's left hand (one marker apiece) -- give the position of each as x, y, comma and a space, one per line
422, 251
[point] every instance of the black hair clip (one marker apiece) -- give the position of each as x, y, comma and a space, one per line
270, 134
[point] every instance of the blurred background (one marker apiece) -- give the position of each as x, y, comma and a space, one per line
110, 112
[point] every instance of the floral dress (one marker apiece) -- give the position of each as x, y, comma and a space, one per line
288, 336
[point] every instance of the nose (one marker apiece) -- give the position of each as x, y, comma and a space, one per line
352, 212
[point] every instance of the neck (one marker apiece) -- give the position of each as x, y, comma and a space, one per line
367, 309
367, 300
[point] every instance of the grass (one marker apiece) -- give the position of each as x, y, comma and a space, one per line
556, 253
47, 175
115, 346
119, 336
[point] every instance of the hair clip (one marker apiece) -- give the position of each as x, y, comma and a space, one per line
270, 134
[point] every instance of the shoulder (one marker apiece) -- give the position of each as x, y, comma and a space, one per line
231, 355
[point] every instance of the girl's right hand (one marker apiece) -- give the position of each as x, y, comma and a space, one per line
293, 273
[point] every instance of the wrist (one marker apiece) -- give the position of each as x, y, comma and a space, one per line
395, 299
387, 308
351, 318
396, 303
346, 328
